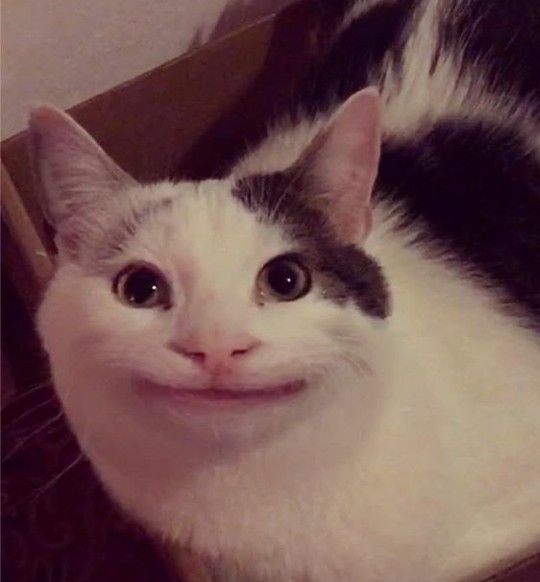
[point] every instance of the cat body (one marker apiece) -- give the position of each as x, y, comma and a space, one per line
378, 420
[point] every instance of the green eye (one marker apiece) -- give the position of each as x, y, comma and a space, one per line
141, 285
283, 279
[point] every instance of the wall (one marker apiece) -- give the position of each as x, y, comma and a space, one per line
65, 51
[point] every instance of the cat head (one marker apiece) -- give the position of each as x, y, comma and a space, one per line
223, 309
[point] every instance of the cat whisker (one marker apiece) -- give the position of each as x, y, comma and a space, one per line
279, 202
358, 364
33, 496
28, 413
294, 175
29, 391
29, 437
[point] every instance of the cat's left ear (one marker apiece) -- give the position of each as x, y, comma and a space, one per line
73, 174
340, 166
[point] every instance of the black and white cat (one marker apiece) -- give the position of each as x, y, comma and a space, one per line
325, 366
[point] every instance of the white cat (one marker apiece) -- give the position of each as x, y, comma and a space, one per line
299, 376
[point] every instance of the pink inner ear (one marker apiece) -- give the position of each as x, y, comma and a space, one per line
72, 172
346, 163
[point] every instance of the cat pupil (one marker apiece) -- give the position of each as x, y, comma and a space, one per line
141, 286
282, 278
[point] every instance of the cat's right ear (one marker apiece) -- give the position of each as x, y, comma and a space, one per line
340, 166
73, 174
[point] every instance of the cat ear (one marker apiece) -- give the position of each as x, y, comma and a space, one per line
72, 173
341, 165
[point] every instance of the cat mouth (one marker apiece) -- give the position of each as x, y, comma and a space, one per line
179, 396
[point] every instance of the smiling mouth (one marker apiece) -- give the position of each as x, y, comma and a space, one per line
226, 394
180, 396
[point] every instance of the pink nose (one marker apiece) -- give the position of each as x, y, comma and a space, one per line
216, 355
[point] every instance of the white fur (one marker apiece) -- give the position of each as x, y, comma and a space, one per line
428, 470
413, 456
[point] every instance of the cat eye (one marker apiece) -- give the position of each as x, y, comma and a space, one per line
284, 278
141, 285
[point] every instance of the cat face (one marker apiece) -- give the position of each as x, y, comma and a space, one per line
223, 310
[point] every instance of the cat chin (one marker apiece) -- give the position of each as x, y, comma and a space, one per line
167, 426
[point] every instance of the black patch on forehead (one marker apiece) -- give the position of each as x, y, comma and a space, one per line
344, 272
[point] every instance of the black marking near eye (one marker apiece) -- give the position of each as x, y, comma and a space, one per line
471, 189
343, 272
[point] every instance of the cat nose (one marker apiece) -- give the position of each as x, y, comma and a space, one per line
215, 355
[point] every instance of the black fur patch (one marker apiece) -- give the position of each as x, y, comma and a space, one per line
343, 271
502, 37
357, 52
334, 11
475, 188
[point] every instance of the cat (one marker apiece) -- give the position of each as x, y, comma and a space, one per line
324, 365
